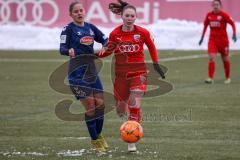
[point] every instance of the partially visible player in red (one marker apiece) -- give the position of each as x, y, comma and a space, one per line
218, 40
126, 42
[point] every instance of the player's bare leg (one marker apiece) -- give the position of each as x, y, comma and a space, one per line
211, 68
226, 64
122, 109
134, 103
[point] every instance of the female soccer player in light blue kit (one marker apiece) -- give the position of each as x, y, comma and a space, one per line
77, 39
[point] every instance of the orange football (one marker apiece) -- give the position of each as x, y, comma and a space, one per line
131, 131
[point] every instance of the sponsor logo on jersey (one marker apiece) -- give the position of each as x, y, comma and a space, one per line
87, 40
91, 33
136, 37
79, 33
119, 39
215, 24
129, 48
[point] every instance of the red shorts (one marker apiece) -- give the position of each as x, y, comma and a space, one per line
218, 47
123, 86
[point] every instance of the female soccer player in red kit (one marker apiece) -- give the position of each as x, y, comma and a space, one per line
127, 41
218, 40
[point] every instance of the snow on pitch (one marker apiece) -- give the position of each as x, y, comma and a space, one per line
168, 34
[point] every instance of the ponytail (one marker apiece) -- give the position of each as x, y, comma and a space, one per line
118, 8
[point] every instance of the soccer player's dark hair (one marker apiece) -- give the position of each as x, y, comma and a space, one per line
220, 2
72, 5
118, 8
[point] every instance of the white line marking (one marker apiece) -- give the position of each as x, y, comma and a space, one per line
33, 60
78, 138
182, 58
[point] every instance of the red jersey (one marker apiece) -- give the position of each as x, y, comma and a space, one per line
129, 49
218, 24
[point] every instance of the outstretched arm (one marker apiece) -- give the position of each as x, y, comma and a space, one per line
205, 25
108, 49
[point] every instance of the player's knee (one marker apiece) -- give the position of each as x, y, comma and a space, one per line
100, 107
98, 99
121, 108
121, 104
212, 58
90, 112
225, 58
135, 98
99, 102
132, 101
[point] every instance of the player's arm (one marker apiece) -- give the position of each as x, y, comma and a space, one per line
231, 22
205, 25
109, 47
65, 42
153, 53
99, 36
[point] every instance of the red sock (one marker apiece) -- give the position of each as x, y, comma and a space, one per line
227, 68
135, 114
211, 69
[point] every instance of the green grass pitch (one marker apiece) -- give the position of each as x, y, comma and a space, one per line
195, 121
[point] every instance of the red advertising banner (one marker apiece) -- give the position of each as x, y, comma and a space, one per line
54, 13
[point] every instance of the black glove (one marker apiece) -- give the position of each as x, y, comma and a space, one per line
200, 42
234, 38
159, 70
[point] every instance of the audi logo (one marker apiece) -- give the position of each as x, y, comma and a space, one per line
129, 48
22, 10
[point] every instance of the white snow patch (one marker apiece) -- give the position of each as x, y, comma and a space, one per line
70, 153
168, 34
23, 153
